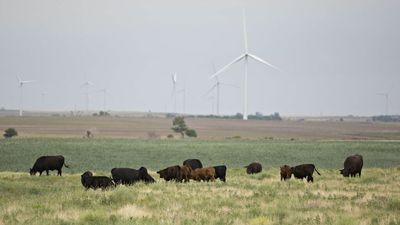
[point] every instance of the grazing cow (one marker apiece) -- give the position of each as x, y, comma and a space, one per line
253, 168
220, 172
204, 174
193, 163
130, 176
352, 165
304, 170
46, 163
90, 181
171, 173
286, 173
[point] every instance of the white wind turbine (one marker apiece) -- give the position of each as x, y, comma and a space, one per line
105, 93
174, 80
21, 85
245, 56
386, 95
87, 84
217, 86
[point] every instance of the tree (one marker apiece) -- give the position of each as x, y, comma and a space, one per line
179, 125
10, 132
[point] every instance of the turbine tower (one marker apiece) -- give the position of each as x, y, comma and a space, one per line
174, 80
105, 93
217, 87
245, 56
21, 85
386, 95
87, 84
43, 94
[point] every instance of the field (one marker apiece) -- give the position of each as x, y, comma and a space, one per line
243, 199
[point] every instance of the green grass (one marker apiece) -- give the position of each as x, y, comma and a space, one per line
18, 155
244, 199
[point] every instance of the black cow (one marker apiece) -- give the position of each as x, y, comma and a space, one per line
90, 181
129, 176
352, 165
171, 173
220, 172
193, 163
46, 163
304, 170
253, 168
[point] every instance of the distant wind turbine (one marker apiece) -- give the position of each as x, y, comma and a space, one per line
245, 56
21, 85
217, 86
174, 80
105, 93
87, 84
386, 95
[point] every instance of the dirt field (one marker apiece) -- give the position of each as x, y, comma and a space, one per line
129, 127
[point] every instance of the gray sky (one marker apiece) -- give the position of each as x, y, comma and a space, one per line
335, 55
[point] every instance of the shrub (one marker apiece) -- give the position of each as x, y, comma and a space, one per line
191, 133
10, 132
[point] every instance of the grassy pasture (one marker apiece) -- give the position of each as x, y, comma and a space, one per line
244, 199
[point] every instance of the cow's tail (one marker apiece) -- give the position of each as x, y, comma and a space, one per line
317, 170
66, 165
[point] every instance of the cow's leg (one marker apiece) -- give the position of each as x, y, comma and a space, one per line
47, 172
59, 172
359, 174
40, 173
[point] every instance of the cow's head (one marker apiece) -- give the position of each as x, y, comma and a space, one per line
344, 172
32, 172
162, 173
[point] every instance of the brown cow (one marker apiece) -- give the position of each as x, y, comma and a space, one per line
286, 172
185, 173
205, 174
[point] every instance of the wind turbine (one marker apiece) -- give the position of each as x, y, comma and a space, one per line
21, 85
245, 56
386, 95
174, 80
217, 86
105, 92
87, 84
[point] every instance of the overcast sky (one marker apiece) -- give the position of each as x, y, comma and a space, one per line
335, 55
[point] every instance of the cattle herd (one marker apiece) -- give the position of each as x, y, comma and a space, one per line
191, 169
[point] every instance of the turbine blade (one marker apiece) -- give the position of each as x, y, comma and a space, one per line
27, 81
264, 62
210, 90
19, 79
227, 66
244, 31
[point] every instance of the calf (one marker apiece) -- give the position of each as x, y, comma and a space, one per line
304, 170
352, 166
204, 174
286, 172
46, 163
90, 181
130, 176
253, 168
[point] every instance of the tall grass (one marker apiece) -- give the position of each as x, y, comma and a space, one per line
243, 199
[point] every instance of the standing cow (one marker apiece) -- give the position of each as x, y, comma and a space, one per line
220, 172
253, 168
130, 176
303, 171
352, 166
193, 163
46, 163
